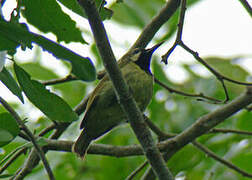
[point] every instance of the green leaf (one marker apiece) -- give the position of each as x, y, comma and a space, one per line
47, 16
230, 70
72, 92
38, 71
13, 35
128, 15
136, 13
11, 84
73, 5
225, 67
8, 128
50, 104
5, 176
16, 35
82, 67
244, 122
40, 141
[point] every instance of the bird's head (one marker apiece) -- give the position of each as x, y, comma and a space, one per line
142, 57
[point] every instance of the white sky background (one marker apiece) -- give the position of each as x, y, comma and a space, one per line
212, 28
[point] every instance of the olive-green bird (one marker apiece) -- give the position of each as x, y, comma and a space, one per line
103, 112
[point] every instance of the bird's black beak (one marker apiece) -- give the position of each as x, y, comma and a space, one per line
151, 50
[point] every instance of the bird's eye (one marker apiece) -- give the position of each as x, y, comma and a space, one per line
136, 51
135, 54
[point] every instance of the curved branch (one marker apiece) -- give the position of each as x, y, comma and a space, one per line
31, 137
234, 131
59, 81
221, 160
12, 159
216, 73
33, 159
179, 42
207, 122
204, 149
172, 145
137, 170
150, 30
201, 126
200, 96
246, 6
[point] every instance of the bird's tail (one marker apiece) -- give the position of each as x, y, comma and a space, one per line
81, 145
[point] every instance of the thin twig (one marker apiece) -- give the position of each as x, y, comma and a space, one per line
219, 76
30, 135
12, 159
33, 159
221, 160
48, 129
59, 81
24, 136
163, 136
219, 130
179, 32
150, 29
200, 96
179, 42
137, 170
246, 6
201, 126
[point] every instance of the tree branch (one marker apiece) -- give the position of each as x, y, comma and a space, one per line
58, 81
150, 30
125, 98
246, 6
219, 130
179, 42
137, 170
201, 147
12, 159
221, 160
33, 159
201, 126
30, 135
200, 96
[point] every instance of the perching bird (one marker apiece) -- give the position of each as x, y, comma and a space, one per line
103, 112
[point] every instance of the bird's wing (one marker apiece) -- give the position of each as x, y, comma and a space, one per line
94, 97
96, 92
122, 62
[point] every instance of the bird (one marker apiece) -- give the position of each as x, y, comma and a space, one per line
103, 111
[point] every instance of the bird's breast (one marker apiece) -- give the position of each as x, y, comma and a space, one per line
140, 84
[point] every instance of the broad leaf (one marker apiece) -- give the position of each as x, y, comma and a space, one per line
73, 5
47, 16
11, 84
38, 71
14, 34
2, 59
8, 128
4, 176
50, 104
82, 67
